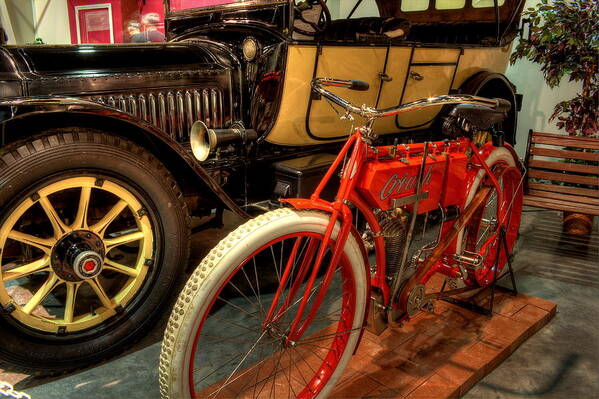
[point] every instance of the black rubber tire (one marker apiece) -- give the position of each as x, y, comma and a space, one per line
56, 154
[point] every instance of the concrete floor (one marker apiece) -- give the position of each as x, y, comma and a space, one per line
561, 361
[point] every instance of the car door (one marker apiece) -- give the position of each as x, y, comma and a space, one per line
430, 73
364, 63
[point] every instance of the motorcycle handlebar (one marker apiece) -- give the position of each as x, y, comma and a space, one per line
498, 104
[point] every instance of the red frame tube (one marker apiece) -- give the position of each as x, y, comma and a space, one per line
340, 211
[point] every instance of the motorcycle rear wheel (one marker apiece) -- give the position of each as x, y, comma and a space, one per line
481, 234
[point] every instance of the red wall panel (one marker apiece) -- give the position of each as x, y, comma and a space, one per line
117, 17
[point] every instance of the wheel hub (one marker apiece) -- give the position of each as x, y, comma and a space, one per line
78, 256
274, 331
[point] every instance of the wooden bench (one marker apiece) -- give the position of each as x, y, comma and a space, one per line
545, 155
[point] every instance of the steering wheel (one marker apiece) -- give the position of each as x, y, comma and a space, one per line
323, 21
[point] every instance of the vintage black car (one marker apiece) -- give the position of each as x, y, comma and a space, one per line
98, 180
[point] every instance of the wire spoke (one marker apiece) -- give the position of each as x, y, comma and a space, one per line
315, 352
329, 316
57, 224
43, 244
234, 324
310, 294
256, 277
484, 234
256, 382
274, 260
264, 380
41, 294
273, 390
301, 356
260, 305
288, 376
292, 363
81, 217
236, 356
261, 345
239, 365
69, 306
97, 287
100, 227
239, 308
308, 341
119, 268
291, 280
234, 338
112, 243
256, 305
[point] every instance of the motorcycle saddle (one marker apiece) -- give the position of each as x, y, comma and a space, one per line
478, 116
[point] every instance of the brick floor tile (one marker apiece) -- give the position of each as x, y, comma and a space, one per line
394, 380
532, 316
436, 387
430, 353
390, 359
509, 335
393, 337
373, 346
508, 308
502, 325
357, 387
489, 354
538, 302
463, 377
422, 322
362, 363
495, 355
350, 374
467, 361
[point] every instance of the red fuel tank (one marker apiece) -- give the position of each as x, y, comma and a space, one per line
392, 174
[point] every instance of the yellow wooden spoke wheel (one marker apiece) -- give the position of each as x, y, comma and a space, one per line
67, 264
94, 235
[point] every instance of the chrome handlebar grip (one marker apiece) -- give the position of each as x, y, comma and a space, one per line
317, 84
372, 113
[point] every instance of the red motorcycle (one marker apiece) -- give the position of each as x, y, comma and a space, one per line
279, 306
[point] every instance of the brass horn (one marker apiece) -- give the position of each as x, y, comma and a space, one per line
203, 139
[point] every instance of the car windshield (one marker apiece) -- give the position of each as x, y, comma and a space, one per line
177, 5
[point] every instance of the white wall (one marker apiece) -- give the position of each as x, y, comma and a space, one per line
6, 23
539, 99
52, 21
20, 13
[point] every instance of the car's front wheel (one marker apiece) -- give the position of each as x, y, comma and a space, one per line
93, 235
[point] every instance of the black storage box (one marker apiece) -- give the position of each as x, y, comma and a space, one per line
298, 177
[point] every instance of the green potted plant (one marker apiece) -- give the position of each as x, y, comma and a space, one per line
564, 40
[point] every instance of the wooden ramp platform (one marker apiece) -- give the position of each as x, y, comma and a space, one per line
442, 354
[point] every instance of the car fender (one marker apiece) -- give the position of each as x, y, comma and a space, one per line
15, 110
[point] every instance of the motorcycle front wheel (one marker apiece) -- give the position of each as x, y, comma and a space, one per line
220, 341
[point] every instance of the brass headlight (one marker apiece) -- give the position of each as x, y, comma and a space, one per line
250, 48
